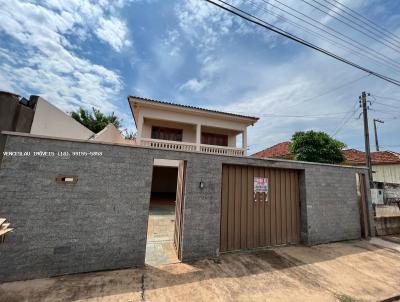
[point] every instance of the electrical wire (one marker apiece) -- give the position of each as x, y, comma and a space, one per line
361, 53
307, 100
386, 105
348, 83
320, 115
253, 19
329, 91
342, 126
361, 18
328, 115
386, 98
350, 40
384, 111
350, 25
346, 119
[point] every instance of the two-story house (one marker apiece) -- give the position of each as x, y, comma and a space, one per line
181, 127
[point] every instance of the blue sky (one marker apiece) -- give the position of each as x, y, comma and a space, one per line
85, 53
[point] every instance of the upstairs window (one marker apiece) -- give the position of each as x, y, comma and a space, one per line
214, 139
168, 134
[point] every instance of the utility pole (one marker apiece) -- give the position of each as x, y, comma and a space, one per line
376, 133
364, 106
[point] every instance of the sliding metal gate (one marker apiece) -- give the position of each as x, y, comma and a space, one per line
251, 220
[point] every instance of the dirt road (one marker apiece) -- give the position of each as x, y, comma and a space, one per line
347, 271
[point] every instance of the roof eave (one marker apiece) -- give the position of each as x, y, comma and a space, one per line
252, 120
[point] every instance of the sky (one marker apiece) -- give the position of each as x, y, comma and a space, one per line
96, 53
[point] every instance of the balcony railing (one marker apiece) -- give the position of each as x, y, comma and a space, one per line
222, 150
170, 145
182, 146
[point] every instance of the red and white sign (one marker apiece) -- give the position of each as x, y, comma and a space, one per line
260, 185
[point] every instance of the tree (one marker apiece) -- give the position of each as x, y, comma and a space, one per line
95, 120
130, 135
317, 147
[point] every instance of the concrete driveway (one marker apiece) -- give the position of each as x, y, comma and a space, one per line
346, 271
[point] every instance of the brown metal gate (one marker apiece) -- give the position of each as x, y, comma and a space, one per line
180, 198
251, 220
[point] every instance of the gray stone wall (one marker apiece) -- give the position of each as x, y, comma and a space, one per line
97, 224
332, 208
101, 222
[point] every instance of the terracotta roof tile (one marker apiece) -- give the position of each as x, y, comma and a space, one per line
357, 157
353, 156
280, 150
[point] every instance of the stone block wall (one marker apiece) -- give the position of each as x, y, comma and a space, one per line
100, 222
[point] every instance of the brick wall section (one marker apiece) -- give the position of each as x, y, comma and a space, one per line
100, 222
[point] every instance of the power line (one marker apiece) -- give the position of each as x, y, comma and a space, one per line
361, 52
335, 115
360, 18
363, 48
384, 111
386, 105
386, 98
346, 119
350, 25
343, 125
251, 18
393, 118
329, 115
330, 91
309, 99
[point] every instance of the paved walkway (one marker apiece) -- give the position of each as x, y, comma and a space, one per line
390, 242
160, 235
345, 271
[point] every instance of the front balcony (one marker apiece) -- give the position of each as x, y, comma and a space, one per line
183, 146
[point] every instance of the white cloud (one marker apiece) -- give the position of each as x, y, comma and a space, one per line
114, 32
193, 85
203, 23
45, 61
251, 71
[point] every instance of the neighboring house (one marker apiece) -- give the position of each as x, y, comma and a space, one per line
51, 121
385, 164
39, 117
280, 150
181, 127
16, 113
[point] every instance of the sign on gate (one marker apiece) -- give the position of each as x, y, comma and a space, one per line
261, 187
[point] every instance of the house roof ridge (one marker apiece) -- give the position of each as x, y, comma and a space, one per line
352, 149
394, 153
193, 107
